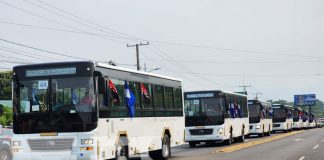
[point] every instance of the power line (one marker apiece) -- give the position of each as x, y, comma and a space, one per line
14, 52
234, 62
185, 68
234, 50
135, 38
13, 62
51, 58
95, 24
42, 50
59, 23
66, 17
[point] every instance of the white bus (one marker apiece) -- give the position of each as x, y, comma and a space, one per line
297, 119
282, 118
90, 110
305, 118
212, 116
312, 123
260, 118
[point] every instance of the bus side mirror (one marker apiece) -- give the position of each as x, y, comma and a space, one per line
101, 85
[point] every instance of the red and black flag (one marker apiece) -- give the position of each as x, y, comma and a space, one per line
114, 93
145, 94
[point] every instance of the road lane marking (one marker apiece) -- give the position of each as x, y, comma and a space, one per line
316, 146
257, 142
301, 158
298, 140
323, 140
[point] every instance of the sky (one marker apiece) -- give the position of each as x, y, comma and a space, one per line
274, 46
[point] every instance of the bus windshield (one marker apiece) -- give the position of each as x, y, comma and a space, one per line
204, 112
54, 105
279, 114
254, 113
296, 115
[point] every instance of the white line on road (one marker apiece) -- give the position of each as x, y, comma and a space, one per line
301, 158
323, 140
298, 140
316, 146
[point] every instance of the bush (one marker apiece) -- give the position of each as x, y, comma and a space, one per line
5, 115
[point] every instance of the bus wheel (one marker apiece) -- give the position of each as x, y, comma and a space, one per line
262, 134
165, 152
230, 139
122, 149
5, 155
269, 132
121, 153
192, 144
242, 138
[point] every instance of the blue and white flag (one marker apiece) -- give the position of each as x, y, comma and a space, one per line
130, 100
35, 99
75, 98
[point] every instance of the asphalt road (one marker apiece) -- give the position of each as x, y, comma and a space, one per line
307, 145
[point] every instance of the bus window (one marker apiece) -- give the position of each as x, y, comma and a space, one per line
135, 89
168, 97
177, 99
116, 98
146, 92
158, 97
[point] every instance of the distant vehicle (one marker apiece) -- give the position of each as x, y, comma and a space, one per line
94, 111
297, 119
5, 144
320, 122
282, 118
215, 115
305, 118
260, 118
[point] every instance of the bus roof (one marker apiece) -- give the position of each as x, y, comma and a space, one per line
96, 64
221, 91
104, 65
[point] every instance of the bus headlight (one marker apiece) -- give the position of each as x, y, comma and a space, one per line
16, 143
220, 131
257, 127
86, 141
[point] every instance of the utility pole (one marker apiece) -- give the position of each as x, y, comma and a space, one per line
244, 88
137, 52
256, 95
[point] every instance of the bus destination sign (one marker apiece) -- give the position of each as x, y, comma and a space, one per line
200, 95
51, 72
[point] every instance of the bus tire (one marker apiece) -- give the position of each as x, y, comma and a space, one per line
242, 138
121, 151
5, 154
165, 152
262, 134
229, 141
192, 144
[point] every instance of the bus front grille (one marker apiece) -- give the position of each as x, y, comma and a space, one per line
201, 131
51, 144
276, 125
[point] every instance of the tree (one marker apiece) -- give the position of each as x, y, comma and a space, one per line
5, 115
5, 85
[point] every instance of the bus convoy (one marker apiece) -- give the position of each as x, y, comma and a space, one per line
91, 110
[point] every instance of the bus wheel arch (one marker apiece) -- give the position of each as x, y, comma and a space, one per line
242, 138
165, 151
122, 150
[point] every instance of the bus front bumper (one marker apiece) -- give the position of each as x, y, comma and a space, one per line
279, 127
204, 134
255, 129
